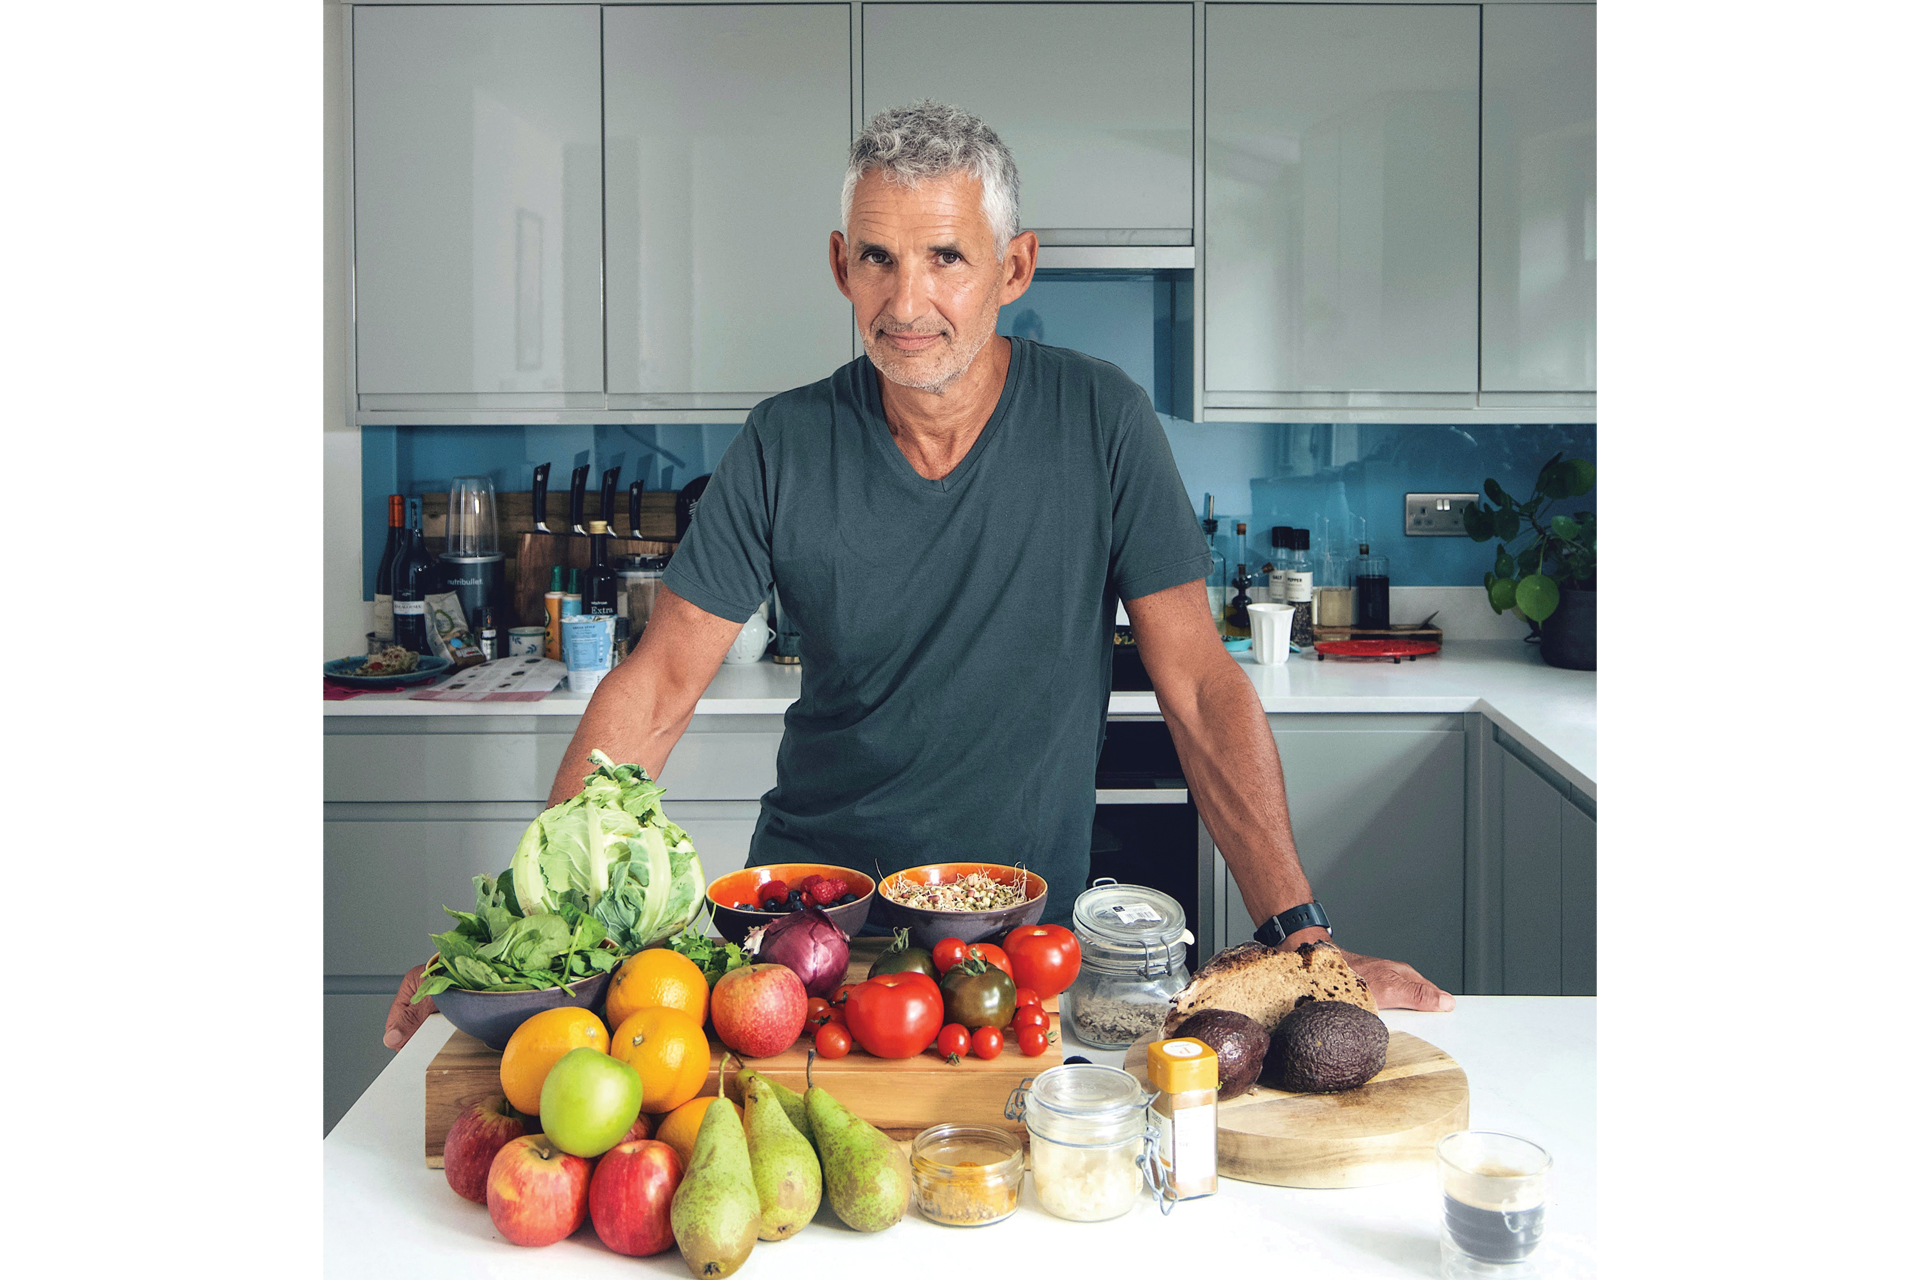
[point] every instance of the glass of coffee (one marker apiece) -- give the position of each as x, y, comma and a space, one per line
1494, 1189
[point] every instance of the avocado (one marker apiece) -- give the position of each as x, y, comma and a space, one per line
1238, 1041
1325, 1046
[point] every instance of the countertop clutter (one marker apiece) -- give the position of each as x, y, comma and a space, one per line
1530, 1060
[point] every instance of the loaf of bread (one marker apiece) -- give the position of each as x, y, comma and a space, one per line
1265, 983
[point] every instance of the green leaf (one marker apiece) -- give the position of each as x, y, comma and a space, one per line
1578, 476
1501, 594
1528, 561
1539, 481
1477, 522
1498, 494
1503, 563
1537, 596
1506, 524
1489, 580
1565, 529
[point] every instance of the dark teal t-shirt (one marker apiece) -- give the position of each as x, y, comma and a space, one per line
956, 634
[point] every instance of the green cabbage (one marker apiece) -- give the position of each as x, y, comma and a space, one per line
612, 853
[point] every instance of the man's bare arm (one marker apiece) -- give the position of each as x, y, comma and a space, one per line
639, 711
1233, 771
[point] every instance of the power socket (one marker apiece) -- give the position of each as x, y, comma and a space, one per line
1438, 515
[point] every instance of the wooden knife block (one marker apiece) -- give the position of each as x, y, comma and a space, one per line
539, 552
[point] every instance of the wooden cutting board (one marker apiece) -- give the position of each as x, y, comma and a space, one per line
1380, 1132
898, 1096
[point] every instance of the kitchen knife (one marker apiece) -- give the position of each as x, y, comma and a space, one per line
634, 491
577, 500
609, 485
540, 497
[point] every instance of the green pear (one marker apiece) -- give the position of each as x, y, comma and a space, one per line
716, 1211
786, 1173
790, 1102
866, 1174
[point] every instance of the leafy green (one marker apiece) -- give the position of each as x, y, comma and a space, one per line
491, 949
716, 956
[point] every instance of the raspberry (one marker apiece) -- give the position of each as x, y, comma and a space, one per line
825, 893
771, 892
806, 885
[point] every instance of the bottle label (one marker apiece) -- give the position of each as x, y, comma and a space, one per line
383, 618
410, 608
1299, 587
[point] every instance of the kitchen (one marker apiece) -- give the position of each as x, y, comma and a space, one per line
1346, 250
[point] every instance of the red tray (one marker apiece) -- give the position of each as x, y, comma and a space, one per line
1394, 649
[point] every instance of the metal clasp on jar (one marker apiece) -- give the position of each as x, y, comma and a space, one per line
1016, 1108
1159, 1177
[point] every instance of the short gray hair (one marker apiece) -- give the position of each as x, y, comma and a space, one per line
928, 140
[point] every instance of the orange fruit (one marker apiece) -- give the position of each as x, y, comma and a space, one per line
657, 978
669, 1051
680, 1128
537, 1044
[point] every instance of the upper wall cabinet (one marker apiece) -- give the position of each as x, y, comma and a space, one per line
476, 191
727, 131
1341, 202
1537, 199
1094, 100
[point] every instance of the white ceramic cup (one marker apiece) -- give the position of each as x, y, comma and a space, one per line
1272, 624
751, 644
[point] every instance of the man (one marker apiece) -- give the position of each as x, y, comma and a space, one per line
950, 522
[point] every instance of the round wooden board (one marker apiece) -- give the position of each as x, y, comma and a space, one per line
1380, 1132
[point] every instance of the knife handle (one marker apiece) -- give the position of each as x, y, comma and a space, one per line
577, 501
634, 491
540, 496
609, 485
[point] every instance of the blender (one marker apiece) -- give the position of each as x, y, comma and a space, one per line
473, 565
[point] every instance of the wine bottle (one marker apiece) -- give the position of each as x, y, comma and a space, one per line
383, 573
413, 582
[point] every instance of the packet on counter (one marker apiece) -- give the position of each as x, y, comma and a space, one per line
447, 632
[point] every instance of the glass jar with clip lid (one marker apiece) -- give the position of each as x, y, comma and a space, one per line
1133, 959
1090, 1142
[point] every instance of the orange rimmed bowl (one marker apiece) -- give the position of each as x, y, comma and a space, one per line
925, 927
744, 886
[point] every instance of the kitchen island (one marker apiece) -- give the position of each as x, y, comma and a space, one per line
1529, 1061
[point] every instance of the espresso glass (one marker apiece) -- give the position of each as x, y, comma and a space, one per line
1494, 1190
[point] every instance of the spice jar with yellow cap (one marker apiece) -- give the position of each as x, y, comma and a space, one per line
1186, 1114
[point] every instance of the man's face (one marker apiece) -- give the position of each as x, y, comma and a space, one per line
918, 265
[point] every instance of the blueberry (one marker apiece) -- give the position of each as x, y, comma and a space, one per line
844, 899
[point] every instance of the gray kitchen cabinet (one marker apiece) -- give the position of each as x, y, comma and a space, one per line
1579, 894
1378, 807
727, 128
352, 1024
1094, 100
1540, 841
476, 196
1537, 272
1341, 205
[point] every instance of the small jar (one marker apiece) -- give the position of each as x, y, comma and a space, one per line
1088, 1132
1185, 1115
967, 1175
1133, 960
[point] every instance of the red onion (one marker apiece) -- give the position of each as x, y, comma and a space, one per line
806, 942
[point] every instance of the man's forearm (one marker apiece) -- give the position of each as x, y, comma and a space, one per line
1233, 772
632, 718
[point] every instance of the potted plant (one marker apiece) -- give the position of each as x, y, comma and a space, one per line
1550, 579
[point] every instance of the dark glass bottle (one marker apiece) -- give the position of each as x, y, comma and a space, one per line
600, 593
414, 579
1370, 590
383, 572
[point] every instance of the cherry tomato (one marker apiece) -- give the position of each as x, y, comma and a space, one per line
1031, 1015
993, 956
832, 1041
895, 1015
987, 1042
837, 1015
1033, 1041
952, 1042
1023, 996
947, 953
817, 1011
839, 996
1046, 957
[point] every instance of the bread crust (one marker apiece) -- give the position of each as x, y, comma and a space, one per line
1265, 983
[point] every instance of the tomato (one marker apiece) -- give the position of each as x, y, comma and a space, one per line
993, 956
1024, 996
839, 996
1028, 1016
1033, 1041
1046, 957
832, 1041
837, 1015
987, 1042
895, 1015
947, 953
977, 994
817, 1012
952, 1042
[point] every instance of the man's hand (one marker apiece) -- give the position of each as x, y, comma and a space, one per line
1398, 986
404, 1018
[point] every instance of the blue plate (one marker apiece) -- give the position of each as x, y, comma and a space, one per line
342, 670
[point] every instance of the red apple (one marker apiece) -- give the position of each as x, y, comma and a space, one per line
476, 1137
631, 1198
759, 1010
642, 1129
536, 1193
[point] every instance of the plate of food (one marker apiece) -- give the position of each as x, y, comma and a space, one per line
390, 668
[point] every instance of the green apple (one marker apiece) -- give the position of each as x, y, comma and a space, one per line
589, 1102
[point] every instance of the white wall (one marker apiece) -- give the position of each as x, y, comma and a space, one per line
346, 616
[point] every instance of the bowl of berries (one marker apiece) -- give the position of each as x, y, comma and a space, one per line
743, 899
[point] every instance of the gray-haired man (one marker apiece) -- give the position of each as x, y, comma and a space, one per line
950, 520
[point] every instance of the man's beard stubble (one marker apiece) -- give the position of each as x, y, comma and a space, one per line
911, 371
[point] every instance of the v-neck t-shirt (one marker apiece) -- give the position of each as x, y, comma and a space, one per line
956, 635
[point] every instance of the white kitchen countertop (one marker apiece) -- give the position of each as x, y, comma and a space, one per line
1530, 1068
1548, 711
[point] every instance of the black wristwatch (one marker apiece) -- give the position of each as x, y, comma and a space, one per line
1308, 915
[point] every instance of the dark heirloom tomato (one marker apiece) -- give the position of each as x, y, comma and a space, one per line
904, 958
895, 1015
978, 995
992, 955
1046, 957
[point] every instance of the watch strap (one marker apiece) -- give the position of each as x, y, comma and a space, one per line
1308, 915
